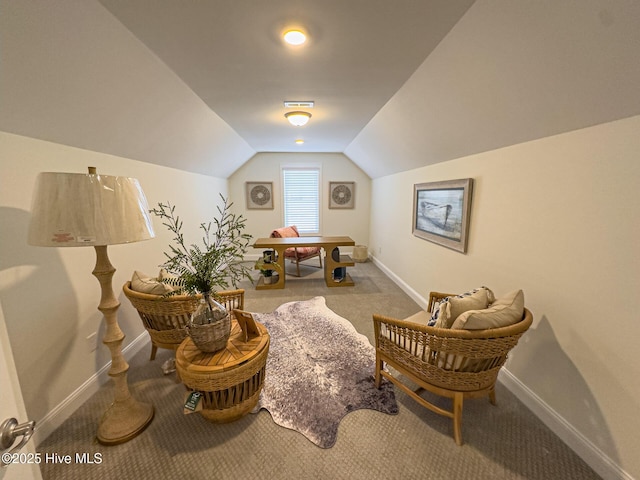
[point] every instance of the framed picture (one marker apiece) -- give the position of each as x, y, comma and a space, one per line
259, 195
342, 194
441, 212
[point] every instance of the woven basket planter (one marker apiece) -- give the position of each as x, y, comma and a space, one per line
210, 337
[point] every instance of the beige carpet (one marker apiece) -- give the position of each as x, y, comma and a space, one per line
502, 442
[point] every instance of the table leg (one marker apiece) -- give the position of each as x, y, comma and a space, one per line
280, 261
330, 264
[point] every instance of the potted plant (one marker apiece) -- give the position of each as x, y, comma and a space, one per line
267, 269
215, 265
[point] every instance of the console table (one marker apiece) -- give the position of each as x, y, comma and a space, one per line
326, 243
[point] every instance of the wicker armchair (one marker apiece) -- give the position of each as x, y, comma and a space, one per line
165, 317
456, 364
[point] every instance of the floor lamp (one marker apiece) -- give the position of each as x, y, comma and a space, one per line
74, 210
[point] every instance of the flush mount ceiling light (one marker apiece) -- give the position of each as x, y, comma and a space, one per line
297, 118
294, 37
299, 141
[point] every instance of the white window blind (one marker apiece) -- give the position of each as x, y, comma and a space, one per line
302, 198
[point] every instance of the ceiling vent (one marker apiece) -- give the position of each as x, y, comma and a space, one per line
308, 104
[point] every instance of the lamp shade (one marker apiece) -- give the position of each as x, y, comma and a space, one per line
74, 209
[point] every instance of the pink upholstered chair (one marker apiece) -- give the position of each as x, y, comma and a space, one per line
297, 254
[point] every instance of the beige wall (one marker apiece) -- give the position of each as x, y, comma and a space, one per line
48, 295
266, 167
557, 217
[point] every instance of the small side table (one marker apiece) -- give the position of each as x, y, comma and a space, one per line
230, 379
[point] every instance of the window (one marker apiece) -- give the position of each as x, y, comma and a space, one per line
301, 189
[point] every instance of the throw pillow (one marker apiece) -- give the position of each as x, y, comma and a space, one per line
172, 281
505, 311
452, 307
143, 283
438, 310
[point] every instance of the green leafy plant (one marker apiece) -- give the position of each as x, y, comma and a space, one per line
216, 264
267, 272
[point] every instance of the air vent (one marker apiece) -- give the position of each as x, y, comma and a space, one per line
308, 104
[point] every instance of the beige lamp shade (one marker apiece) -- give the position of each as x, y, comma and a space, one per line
75, 209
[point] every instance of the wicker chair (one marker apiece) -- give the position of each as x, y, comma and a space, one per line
165, 317
296, 254
456, 364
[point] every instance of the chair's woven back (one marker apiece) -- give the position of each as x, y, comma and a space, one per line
461, 360
165, 317
231, 299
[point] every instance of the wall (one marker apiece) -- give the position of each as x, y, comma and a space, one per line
48, 295
557, 217
334, 167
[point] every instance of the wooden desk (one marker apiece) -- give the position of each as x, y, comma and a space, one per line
326, 243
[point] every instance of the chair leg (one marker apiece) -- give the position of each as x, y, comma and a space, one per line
378, 376
320, 258
492, 396
154, 349
457, 418
298, 266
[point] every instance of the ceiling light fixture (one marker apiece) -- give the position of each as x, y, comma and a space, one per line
298, 119
299, 141
294, 37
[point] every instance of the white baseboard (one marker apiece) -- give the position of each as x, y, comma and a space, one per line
584, 448
581, 445
419, 299
64, 409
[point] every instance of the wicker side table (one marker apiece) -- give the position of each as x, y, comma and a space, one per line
230, 379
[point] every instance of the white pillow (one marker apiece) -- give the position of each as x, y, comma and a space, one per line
143, 283
505, 311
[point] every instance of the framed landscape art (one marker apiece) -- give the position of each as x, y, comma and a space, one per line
259, 195
441, 212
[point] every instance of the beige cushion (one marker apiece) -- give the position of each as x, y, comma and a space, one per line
450, 310
421, 317
143, 283
505, 311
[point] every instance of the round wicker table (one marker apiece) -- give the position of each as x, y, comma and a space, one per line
231, 379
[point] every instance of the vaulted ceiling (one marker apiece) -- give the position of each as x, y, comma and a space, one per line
397, 85
231, 54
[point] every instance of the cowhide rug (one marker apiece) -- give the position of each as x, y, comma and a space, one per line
319, 369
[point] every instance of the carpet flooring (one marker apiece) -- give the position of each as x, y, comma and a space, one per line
501, 442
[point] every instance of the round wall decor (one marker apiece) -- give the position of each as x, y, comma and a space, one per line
342, 194
260, 195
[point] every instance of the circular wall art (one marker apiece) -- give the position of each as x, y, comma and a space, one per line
341, 194
259, 195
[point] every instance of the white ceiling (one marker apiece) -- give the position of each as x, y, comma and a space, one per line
398, 84
231, 54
